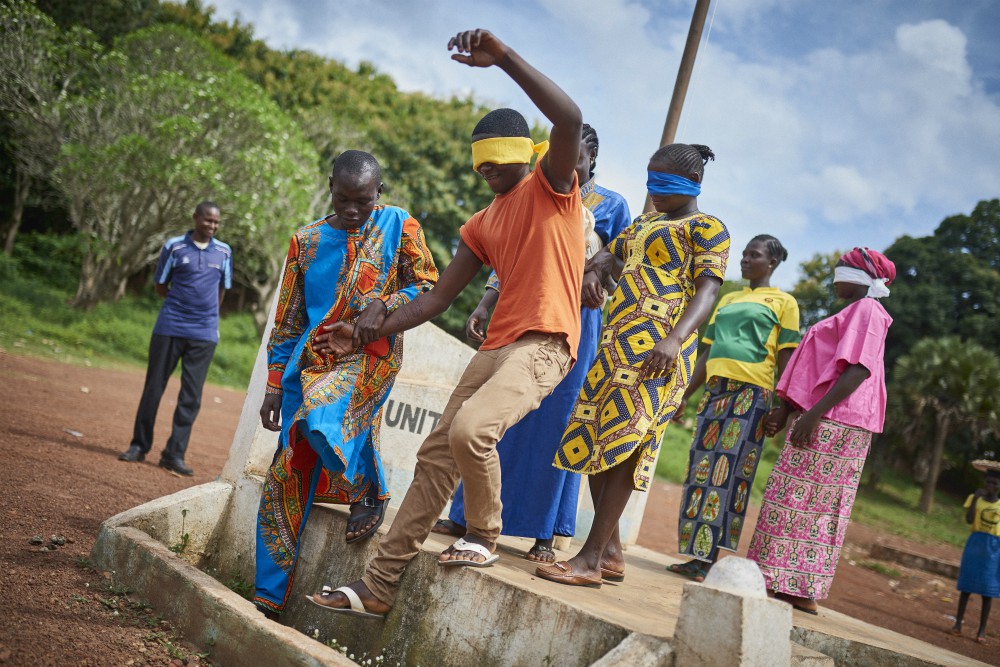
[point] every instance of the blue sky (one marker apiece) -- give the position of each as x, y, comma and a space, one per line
835, 124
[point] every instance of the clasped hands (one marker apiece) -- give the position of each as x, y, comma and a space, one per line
341, 338
802, 430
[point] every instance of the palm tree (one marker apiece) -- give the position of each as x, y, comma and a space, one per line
951, 383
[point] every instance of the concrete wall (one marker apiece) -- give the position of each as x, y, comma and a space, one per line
433, 362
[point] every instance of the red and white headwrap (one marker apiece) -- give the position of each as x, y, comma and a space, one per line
863, 266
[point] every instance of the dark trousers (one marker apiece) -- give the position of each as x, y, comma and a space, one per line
164, 353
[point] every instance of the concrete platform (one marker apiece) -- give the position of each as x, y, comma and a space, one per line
502, 615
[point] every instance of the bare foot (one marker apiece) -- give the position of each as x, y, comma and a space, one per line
337, 600
541, 552
453, 554
956, 630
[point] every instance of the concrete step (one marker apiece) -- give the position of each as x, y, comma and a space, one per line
502, 615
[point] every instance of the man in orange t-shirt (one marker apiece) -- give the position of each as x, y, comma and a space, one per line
531, 235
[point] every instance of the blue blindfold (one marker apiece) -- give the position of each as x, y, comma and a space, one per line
659, 183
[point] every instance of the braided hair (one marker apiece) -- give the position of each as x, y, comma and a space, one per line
588, 136
685, 158
774, 248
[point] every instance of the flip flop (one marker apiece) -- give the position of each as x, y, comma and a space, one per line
463, 545
608, 574
448, 527
561, 573
540, 549
357, 607
691, 569
379, 506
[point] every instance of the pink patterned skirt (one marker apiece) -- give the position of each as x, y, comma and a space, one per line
806, 508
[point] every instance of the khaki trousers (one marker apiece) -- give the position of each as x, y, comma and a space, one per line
497, 389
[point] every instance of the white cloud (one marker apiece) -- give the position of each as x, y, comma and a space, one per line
848, 143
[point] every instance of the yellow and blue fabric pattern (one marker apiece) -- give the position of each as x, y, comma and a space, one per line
617, 412
747, 330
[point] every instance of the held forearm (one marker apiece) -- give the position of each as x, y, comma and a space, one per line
607, 267
413, 313
490, 298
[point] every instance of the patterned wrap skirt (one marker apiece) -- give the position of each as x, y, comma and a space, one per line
721, 467
980, 571
806, 509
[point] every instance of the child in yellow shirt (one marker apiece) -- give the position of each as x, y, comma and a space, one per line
980, 570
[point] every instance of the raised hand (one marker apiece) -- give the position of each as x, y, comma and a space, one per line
477, 48
335, 338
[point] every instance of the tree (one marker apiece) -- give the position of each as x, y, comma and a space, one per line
941, 386
947, 283
171, 122
40, 68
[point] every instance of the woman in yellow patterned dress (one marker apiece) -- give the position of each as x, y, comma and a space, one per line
674, 263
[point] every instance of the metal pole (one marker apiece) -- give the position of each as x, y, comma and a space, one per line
683, 79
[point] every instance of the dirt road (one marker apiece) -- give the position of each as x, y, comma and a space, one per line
61, 431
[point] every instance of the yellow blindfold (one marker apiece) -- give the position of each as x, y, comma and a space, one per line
506, 150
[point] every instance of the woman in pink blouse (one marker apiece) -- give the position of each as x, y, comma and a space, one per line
834, 389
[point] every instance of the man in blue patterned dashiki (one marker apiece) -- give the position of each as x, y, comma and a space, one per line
674, 262
355, 265
539, 500
193, 274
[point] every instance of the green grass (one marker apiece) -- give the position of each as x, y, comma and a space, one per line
891, 508
35, 320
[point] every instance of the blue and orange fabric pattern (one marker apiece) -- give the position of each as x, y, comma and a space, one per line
328, 450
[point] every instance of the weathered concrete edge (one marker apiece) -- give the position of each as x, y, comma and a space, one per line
930, 564
206, 612
851, 652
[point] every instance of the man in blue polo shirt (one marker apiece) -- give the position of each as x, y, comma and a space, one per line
193, 274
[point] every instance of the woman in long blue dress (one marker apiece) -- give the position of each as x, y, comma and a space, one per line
539, 501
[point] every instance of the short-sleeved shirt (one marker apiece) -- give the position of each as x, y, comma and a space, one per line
532, 237
605, 210
855, 335
747, 330
987, 515
195, 276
